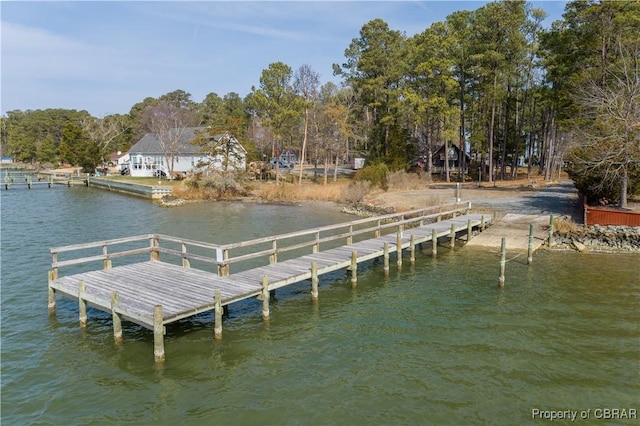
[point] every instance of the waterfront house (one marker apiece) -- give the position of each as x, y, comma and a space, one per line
453, 155
148, 157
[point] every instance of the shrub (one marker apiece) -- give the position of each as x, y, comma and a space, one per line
376, 174
355, 192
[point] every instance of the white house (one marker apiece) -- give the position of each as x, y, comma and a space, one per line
148, 158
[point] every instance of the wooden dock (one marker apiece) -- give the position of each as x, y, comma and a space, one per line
34, 179
155, 293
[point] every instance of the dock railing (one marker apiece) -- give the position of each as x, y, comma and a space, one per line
271, 247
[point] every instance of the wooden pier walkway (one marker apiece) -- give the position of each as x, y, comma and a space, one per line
33, 179
154, 293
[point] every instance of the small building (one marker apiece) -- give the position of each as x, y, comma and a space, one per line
148, 158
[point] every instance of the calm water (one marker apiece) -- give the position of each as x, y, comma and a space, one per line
437, 343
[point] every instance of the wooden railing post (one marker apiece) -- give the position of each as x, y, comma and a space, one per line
185, 259
106, 263
274, 256
316, 246
154, 253
350, 236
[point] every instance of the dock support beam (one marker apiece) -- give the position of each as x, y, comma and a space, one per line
52, 295
354, 268
469, 230
434, 242
530, 245
82, 305
158, 334
503, 261
314, 280
550, 230
412, 250
453, 235
386, 259
265, 298
217, 321
399, 250
117, 323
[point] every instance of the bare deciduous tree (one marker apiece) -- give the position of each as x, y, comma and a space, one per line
169, 122
104, 131
306, 83
611, 146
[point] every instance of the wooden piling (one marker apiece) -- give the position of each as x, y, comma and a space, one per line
82, 305
385, 255
530, 245
354, 268
52, 295
117, 323
503, 261
217, 325
399, 250
469, 230
412, 250
314, 280
482, 223
158, 334
550, 241
452, 235
434, 242
265, 298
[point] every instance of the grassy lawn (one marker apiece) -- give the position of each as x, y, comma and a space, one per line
151, 181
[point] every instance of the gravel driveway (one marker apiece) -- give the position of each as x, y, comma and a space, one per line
560, 199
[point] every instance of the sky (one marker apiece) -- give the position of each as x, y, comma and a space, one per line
104, 57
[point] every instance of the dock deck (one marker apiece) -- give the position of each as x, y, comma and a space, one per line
154, 293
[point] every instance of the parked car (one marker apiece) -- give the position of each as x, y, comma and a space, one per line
283, 164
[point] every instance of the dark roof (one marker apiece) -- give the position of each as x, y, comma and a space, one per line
149, 144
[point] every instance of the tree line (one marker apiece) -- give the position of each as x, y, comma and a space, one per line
492, 81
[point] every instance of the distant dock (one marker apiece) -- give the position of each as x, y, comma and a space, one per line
198, 277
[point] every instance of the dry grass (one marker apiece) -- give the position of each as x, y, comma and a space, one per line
566, 226
307, 191
190, 193
403, 181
